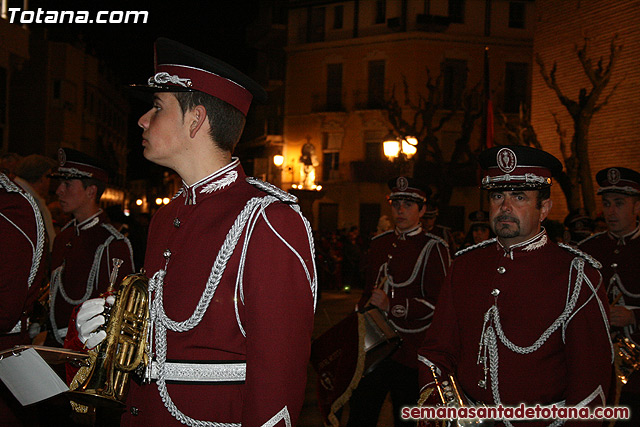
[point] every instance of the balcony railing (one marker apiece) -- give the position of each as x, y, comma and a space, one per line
363, 100
321, 103
432, 23
362, 171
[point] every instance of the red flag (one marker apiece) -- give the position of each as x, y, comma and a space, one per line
488, 110
489, 134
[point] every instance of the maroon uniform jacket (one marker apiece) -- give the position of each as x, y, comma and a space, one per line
539, 310
445, 234
81, 264
21, 269
619, 257
415, 264
236, 259
22, 239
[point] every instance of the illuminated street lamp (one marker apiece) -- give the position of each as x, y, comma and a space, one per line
278, 160
409, 146
393, 146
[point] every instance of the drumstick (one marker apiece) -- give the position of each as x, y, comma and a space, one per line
378, 285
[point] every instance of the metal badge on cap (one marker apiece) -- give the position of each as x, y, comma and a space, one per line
402, 183
62, 157
613, 176
164, 78
506, 160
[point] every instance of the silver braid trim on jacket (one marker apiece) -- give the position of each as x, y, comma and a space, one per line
37, 247
160, 322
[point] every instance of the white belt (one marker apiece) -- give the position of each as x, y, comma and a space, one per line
201, 372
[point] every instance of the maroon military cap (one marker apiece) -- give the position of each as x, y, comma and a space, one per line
479, 218
517, 167
618, 180
179, 68
73, 164
407, 188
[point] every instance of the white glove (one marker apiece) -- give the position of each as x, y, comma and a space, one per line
90, 318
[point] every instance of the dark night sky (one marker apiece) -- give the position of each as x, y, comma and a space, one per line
216, 27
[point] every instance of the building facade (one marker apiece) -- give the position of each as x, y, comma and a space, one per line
345, 58
78, 105
613, 133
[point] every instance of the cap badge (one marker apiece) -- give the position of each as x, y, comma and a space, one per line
613, 176
164, 78
507, 160
62, 157
402, 183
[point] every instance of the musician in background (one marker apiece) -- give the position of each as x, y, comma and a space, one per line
578, 227
431, 226
520, 318
404, 271
81, 261
22, 244
479, 230
618, 249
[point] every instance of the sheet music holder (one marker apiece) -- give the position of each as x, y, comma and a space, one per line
26, 372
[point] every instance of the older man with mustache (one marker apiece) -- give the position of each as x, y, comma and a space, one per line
521, 319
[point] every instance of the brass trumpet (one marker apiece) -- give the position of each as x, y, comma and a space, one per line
447, 393
105, 382
627, 359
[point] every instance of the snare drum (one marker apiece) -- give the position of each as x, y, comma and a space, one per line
381, 339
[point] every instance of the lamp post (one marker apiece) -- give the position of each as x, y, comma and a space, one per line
400, 150
278, 161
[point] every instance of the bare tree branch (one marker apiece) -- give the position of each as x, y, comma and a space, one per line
606, 100
598, 75
562, 133
550, 80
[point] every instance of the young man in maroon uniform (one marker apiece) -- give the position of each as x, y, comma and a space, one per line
618, 249
404, 271
520, 318
81, 261
233, 280
22, 244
